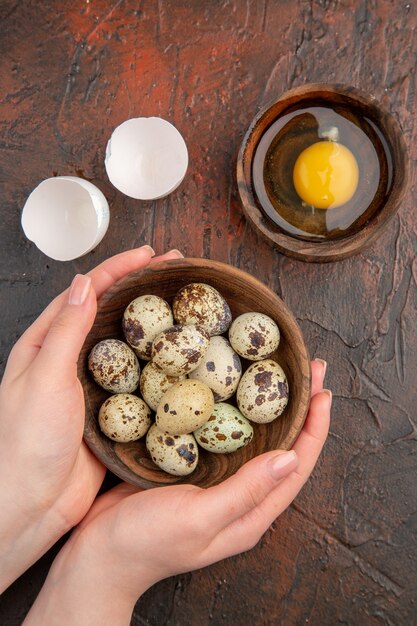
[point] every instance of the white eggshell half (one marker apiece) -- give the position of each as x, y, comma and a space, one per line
146, 158
65, 217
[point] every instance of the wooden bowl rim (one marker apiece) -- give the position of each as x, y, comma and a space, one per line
325, 251
172, 265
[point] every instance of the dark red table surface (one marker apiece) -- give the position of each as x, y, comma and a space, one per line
346, 550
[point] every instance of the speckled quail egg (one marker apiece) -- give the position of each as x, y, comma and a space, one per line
175, 454
143, 319
180, 349
124, 417
184, 407
202, 304
254, 336
220, 369
225, 431
154, 383
262, 394
114, 366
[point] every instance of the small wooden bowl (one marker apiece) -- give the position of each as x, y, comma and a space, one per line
130, 461
335, 249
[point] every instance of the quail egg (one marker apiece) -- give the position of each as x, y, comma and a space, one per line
220, 369
180, 349
184, 407
124, 417
225, 431
254, 336
175, 454
203, 305
114, 366
262, 394
143, 319
154, 383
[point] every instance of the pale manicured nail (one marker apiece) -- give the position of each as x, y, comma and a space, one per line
177, 253
329, 393
79, 290
149, 249
324, 363
280, 465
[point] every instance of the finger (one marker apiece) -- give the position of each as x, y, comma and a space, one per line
112, 270
62, 344
102, 277
221, 505
172, 254
318, 372
245, 532
311, 440
258, 488
308, 448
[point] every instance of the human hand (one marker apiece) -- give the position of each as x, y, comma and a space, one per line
130, 539
48, 477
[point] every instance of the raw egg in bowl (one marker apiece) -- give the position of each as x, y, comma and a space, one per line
321, 171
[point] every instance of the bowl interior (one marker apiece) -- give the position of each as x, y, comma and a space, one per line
130, 461
391, 136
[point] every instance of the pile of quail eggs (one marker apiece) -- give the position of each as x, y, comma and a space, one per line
191, 371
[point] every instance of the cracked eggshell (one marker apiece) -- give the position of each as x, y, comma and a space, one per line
184, 407
254, 336
146, 158
175, 454
220, 369
65, 217
114, 366
226, 430
143, 319
262, 394
124, 417
154, 383
180, 349
201, 304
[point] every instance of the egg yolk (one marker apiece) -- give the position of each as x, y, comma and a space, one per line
326, 175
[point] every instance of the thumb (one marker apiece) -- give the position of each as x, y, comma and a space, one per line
235, 497
61, 347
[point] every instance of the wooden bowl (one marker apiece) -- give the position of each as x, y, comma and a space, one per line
365, 107
130, 461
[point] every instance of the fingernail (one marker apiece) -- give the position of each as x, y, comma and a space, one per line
149, 249
324, 363
177, 253
282, 464
329, 393
79, 290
